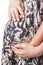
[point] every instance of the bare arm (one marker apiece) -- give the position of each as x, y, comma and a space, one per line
38, 37
26, 50
39, 50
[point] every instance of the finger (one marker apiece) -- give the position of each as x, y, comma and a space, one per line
13, 48
22, 5
18, 51
13, 16
16, 14
20, 10
20, 55
21, 16
19, 46
9, 15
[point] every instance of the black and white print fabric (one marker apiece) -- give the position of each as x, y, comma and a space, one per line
18, 31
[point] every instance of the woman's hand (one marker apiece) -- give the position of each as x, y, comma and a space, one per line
15, 11
24, 50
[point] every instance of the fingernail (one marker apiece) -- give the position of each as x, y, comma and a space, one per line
11, 46
14, 19
23, 16
18, 19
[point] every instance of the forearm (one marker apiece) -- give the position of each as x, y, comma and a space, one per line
38, 37
38, 50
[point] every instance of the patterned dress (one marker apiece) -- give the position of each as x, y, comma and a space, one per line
24, 29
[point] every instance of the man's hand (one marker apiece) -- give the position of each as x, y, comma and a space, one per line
15, 11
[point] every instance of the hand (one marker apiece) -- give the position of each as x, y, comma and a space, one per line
15, 11
24, 50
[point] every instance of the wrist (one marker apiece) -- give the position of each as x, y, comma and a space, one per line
39, 50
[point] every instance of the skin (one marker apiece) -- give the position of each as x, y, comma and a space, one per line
26, 50
38, 37
15, 10
33, 48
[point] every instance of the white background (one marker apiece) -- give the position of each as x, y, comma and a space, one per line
3, 20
